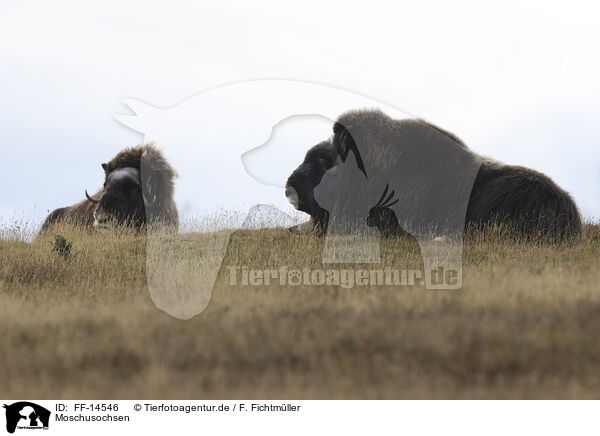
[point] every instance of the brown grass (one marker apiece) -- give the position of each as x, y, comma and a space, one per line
525, 325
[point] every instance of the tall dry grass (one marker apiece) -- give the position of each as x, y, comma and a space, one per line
82, 325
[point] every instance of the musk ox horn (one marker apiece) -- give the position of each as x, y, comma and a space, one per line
93, 200
149, 203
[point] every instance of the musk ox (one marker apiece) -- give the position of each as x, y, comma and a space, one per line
421, 176
138, 189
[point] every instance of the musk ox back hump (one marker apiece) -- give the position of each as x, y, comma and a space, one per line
80, 214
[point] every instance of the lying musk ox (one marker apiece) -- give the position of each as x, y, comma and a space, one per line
428, 167
138, 188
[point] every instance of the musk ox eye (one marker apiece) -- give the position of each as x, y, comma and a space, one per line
324, 162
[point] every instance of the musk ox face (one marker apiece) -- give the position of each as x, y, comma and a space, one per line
299, 188
301, 185
123, 200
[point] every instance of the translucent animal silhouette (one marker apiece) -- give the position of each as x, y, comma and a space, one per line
349, 238
205, 138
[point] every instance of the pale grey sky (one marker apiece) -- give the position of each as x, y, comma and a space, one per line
518, 82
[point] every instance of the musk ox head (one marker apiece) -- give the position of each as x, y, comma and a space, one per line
123, 201
300, 186
138, 187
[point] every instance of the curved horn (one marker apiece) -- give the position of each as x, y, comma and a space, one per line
149, 203
93, 200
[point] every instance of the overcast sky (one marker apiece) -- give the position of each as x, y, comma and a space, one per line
520, 83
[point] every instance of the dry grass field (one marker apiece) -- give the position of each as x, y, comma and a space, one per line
78, 322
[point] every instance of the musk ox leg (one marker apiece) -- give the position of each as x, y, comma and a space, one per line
314, 226
303, 228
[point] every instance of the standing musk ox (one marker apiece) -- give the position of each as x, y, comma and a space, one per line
424, 178
138, 189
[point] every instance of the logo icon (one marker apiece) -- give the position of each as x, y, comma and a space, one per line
26, 415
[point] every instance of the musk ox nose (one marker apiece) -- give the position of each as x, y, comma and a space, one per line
291, 195
100, 219
288, 191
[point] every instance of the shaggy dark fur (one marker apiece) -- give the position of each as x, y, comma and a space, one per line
526, 201
135, 174
300, 185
